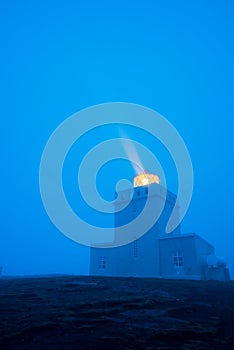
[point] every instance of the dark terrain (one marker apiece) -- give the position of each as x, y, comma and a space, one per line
72, 312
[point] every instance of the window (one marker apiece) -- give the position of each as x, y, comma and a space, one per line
146, 191
138, 192
135, 249
102, 262
178, 259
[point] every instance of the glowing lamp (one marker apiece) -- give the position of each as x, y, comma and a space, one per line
146, 179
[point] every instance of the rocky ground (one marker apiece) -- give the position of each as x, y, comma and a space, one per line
72, 312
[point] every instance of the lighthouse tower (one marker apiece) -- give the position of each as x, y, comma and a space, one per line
140, 257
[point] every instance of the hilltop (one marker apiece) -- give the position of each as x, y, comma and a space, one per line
73, 312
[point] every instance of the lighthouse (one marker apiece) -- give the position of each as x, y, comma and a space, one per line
155, 253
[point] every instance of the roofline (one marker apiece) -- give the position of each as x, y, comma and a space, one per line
186, 235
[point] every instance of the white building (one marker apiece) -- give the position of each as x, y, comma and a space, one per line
156, 253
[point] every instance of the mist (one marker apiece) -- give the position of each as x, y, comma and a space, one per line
174, 57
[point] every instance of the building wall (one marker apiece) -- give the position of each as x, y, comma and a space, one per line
193, 251
138, 258
183, 247
141, 257
203, 249
140, 194
218, 273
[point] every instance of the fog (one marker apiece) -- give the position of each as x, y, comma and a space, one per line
58, 58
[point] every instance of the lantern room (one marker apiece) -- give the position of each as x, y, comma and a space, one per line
145, 179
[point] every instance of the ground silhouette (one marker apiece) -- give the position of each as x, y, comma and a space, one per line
73, 312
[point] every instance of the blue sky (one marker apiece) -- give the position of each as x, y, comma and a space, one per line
58, 57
